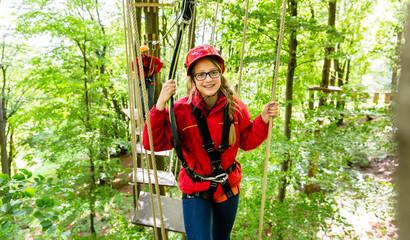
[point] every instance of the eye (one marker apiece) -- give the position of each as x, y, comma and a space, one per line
214, 73
200, 75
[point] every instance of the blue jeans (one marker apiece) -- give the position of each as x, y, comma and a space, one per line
205, 220
151, 94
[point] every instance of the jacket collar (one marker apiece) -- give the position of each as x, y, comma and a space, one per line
199, 102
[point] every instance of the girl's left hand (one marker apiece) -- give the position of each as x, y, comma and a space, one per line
271, 109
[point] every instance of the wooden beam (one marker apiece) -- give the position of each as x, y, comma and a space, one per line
165, 178
171, 209
142, 4
328, 89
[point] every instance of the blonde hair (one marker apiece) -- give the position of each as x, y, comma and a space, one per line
227, 90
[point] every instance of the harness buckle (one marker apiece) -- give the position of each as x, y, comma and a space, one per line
221, 178
222, 148
209, 146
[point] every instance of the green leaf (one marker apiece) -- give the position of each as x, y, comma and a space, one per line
50, 203
52, 229
46, 224
26, 172
30, 191
39, 215
4, 176
40, 203
15, 205
46, 200
28, 209
18, 213
6, 208
54, 218
6, 199
50, 180
19, 176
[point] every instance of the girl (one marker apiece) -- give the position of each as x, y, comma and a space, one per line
212, 123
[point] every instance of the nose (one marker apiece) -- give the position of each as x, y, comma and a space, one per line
208, 76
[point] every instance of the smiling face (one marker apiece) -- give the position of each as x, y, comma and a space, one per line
209, 87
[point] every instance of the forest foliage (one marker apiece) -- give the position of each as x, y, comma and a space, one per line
64, 83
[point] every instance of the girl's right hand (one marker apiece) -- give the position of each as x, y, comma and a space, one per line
168, 89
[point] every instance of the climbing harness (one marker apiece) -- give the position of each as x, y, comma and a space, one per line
218, 175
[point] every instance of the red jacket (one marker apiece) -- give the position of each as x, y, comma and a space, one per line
151, 65
250, 134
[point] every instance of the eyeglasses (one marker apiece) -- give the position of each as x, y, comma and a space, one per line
202, 75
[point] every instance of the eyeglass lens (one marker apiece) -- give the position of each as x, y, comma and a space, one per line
202, 75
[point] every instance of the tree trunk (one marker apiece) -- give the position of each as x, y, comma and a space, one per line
339, 76
92, 189
3, 123
403, 112
4, 160
289, 96
393, 89
328, 52
88, 129
152, 34
192, 27
138, 13
11, 153
340, 102
347, 72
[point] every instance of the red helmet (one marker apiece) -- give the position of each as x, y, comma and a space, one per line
200, 52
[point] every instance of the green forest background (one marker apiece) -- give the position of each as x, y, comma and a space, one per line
332, 157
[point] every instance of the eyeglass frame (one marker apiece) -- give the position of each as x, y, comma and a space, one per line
207, 74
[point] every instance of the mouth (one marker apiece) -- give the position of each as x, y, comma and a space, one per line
209, 86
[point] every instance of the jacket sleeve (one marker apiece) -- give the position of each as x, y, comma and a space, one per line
161, 131
138, 67
251, 133
159, 65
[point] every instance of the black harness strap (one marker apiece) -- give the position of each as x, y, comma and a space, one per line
213, 154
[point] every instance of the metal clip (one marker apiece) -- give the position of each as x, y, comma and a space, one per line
221, 178
209, 146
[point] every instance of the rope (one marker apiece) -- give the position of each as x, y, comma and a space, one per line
203, 30
265, 174
213, 29
145, 97
243, 47
130, 99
